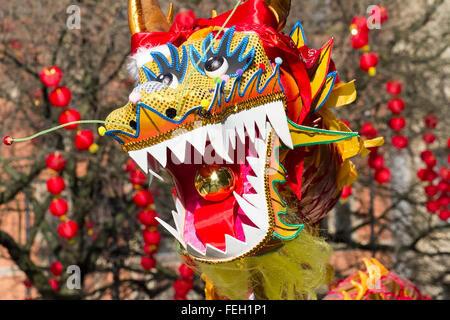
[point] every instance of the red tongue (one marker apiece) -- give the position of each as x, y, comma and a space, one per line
213, 221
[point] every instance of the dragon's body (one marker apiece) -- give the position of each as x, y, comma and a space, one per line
238, 114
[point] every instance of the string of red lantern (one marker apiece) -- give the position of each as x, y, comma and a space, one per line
184, 284
146, 216
359, 29
60, 97
67, 229
56, 269
397, 123
438, 195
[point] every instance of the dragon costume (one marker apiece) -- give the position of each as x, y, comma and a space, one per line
240, 116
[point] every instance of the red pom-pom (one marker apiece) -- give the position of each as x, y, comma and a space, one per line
429, 138
55, 185
185, 271
383, 176
58, 207
54, 284
394, 87
68, 229
182, 286
397, 123
400, 142
55, 161
50, 76
56, 268
396, 105
184, 19
60, 97
84, 139
376, 162
143, 198
369, 131
148, 263
147, 218
69, 115
431, 121
8, 140
444, 214
137, 178
151, 237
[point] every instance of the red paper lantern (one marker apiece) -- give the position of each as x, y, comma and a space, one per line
369, 131
182, 286
427, 175
137, 178
368, 63
431, 162
442, 186
383, 175
68, 229
376, 162
148, 263
54, 284
381, 12
151, 236
394, 87
69, 115
396, 105
60, 97
143, 198
432, 206
444, 214
431, 121
185, 271
429, 138
444, 173
400, 142
84, 139
58, 207
427, 154
55, 162
51, 76
55, 185
147, 218
360, 40
397, 123
56, 268
359, 25
443, 200
431, 191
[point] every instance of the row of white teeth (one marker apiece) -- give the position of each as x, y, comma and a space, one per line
266, 117
222, 136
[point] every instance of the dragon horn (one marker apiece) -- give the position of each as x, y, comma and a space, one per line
281, 10
146, 15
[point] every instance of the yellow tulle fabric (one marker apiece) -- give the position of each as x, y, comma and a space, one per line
293, 272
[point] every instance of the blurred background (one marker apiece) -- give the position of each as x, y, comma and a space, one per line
397, 211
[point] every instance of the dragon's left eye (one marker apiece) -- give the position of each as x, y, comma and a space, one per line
168, 79
216, 67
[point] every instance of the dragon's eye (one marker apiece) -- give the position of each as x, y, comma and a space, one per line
168, 79
216, 67
133, 124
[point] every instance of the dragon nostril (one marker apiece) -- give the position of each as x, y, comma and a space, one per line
133, 124
171, 113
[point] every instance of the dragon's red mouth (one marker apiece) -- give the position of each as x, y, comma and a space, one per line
225, 228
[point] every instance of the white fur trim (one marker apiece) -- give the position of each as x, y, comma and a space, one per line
143, 56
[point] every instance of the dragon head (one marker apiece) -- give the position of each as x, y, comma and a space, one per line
238, 114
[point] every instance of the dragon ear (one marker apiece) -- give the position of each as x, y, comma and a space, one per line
319, 71
297, 35
146, 15
281, 9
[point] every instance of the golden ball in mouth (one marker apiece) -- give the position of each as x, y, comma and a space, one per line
214, 183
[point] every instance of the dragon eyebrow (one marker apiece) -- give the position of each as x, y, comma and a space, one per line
237, 59
175, 66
